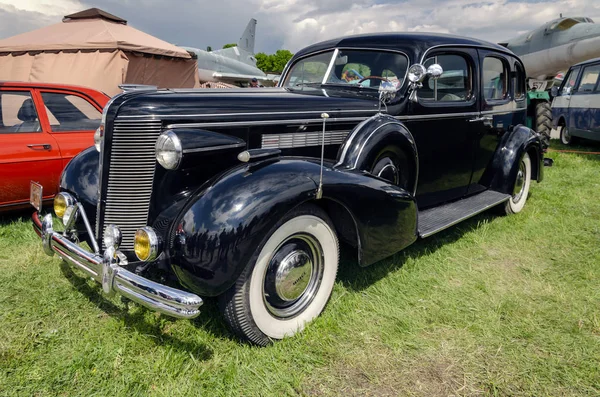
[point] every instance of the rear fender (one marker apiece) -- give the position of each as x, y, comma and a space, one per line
221, 227
501, 174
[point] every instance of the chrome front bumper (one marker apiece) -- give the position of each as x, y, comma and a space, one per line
106, 270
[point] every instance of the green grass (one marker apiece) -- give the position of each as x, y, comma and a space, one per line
505, 306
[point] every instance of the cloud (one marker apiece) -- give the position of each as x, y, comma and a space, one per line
293, 24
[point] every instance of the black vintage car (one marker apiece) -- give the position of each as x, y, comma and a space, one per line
374, 140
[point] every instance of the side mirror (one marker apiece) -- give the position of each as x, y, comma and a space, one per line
554, 91
417, 73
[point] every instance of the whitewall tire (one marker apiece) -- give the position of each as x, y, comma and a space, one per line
521, 189
289, 281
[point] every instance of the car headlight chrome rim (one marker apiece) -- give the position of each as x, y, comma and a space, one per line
112, 236
98, 136
168, 150
61, 201
146, 244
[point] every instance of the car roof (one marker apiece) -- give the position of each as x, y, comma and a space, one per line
27, 84
594, 60
403, 40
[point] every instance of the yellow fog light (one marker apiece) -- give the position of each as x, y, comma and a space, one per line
61, 202
146, 244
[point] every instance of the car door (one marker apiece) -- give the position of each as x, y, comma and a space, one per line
561, 103
439, 122
503, 104
72, 119
584, 101
27, 151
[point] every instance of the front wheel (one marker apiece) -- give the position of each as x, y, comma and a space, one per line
521, 190
288, 281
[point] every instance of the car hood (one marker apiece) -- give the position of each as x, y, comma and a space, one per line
243, 104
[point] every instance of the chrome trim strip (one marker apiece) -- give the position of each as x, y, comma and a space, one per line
487, 207
349, 140
437, 116
207, 115
262, 122
209, 148
155, 296
331, 63
506, 51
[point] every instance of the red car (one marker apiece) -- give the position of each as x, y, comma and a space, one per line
42, 127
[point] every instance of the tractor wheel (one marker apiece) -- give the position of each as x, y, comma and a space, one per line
543, 121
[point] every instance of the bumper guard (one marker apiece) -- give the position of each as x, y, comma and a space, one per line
106, 270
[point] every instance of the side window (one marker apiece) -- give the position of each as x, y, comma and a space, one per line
494, 79
569, 82
18, 113
70, 112
519, 82
589, 78
454, 85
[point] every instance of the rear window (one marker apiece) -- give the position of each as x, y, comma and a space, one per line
68, 112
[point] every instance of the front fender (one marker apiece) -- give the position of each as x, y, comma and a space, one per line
502, 171
220, 229
367, 139
80, 177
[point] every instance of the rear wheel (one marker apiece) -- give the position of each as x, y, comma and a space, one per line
390, 164
521, 189
543, 120
289, 280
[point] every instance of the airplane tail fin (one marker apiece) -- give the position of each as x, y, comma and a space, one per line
246, 42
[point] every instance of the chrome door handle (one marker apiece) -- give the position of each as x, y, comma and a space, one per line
485, 119
44, 146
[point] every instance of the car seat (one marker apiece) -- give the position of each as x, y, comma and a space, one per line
28, 116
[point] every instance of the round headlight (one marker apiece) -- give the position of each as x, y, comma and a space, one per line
168, 150
61, 201
145, 244
112, 236
98, 135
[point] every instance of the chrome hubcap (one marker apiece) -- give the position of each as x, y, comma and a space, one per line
520, 183
293, 275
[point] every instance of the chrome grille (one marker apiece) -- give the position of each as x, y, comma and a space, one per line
302, 139
130, 175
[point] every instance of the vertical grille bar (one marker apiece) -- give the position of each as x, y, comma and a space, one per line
130, 177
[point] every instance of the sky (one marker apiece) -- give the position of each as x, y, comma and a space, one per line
293, 24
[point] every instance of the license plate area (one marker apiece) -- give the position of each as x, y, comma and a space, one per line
35, 195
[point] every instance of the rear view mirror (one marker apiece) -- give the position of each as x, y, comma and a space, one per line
554, 91
341, 60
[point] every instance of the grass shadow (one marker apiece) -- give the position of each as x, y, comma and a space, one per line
23, 215
357, 278
137, 319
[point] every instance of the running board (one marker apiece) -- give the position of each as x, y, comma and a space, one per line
436, 219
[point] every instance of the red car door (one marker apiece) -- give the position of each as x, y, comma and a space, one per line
72, 120
27, 150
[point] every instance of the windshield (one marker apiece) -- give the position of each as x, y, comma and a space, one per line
359, 68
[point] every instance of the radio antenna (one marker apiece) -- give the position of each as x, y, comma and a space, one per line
324, 116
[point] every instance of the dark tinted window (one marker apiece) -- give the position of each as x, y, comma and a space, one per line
18, 113
494, 79
70, 112
455, 84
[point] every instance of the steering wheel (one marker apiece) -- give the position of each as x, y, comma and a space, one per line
373, 77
